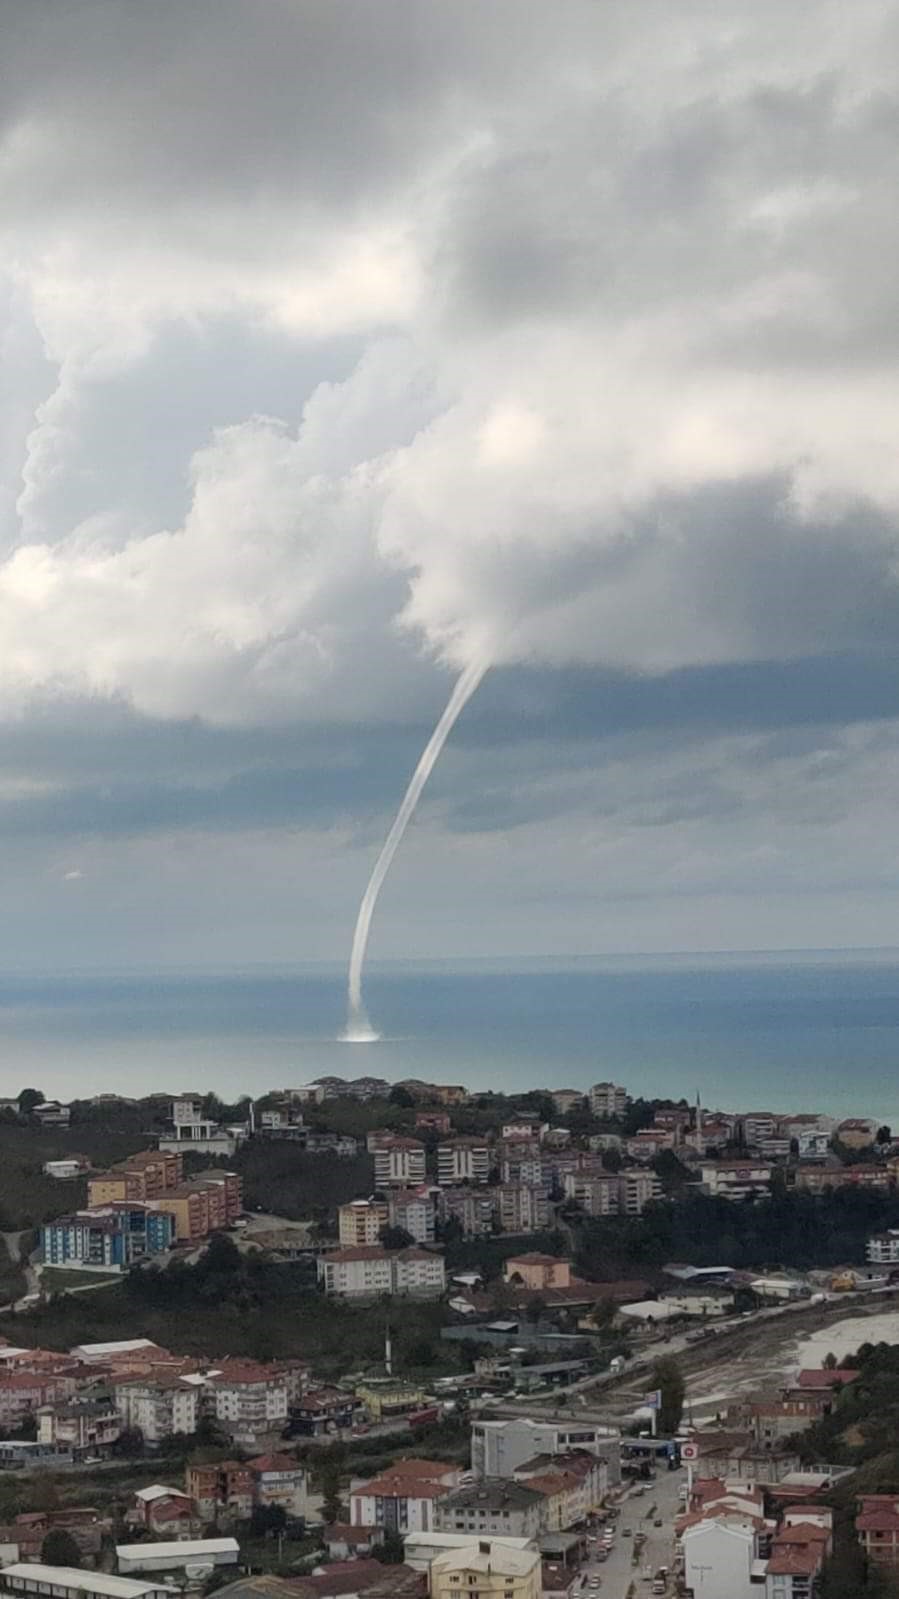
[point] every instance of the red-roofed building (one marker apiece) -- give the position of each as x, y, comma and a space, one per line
402, 1498
877, 1526
280, 1480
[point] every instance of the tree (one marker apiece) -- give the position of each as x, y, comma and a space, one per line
28, 1098
390, 1550
395, 1238
401, 1096
829, 1362
60, 1549
884, 1135
668, 1379
611, 1159
267, 1519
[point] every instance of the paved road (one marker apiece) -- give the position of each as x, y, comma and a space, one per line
618, 1572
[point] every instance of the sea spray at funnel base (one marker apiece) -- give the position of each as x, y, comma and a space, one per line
359, 1030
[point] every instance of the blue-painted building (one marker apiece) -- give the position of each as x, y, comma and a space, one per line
109, 1238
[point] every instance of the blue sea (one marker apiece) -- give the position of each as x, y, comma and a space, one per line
807, 1031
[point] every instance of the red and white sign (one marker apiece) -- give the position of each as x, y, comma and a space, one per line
689, 1452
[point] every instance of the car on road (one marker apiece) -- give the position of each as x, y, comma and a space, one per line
626, 1531
657, 1522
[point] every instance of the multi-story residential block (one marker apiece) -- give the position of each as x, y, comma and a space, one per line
815, 1176
572, 1484
147, 1175
797, 1556
22, 1393
247, 1399
522, 1161
522, 1208
491, 1505
403, 1497
280, 1480
84, 1426
736, 1179
567, 1099
399, 1163
109, 1238
386, 1397
649, 1142
324, 1410
462, 1160
529, 1127
369, 1272
608, 1100
499, 1448
227, 1486
636, 1190
361, 1221
192, 1131
877, 1526
230, 1186
491, 1568
883, 1248
157, 1406
597, 1195
758, 1124
51, 1114
474, 1210
774, 1148
811, 1143
203, 1205
415, 1210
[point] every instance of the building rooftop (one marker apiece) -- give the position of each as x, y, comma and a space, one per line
488, 1555
92, 1582
492, 1493
190, 1548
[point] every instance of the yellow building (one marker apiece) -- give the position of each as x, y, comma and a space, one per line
538, 1271
489, 1568
360, 1223
389, 1397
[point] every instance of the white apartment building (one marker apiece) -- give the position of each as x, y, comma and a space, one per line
414, 1210
489, 1567
462, 1160
402, 1498
248, 1399
360, 1222
597, 1195
192, 1131
399, 1163
159, 1407
498, 1448
883, 1248
722, 1560
522, 1162
736, 1179
370, 1272
636, 1189
609, 1099
523, 1208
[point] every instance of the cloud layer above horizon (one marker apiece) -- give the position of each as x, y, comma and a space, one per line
343, 344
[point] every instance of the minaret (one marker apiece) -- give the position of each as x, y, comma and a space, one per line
697, 1130
388, 1352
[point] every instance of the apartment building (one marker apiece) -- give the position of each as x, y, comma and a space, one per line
474, 1210
597, 1195
166, 1512
877, 1526
399, 1163
83, 1426
191, 1131
499, 1448
434, 1121
523, 1208
22, 1393
758, 1124
491, 1505
567, 1099
415, 1210
572, 1484
403, 1497
227, 1486
157, 1406
230, 1186
147, 1175
360, 1222
462, 1160
107, 1238
325, 1410
247, 1399
491, 1568
522, 1161
608, 1100
882, 1249
203, 1205
280, 1480
369, 1272
736, 1179
815, 1177
637, 1189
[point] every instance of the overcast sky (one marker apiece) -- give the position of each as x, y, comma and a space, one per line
344, 342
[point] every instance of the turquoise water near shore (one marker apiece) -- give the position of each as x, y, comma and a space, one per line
781, 1032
